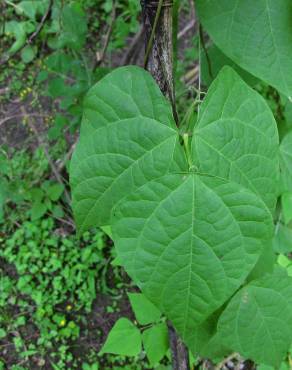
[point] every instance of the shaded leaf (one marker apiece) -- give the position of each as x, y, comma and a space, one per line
257, 322
286, 163
257, 35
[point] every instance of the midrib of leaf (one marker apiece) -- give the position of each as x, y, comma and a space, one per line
191, 259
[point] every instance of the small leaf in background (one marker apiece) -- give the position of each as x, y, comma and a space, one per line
145, 311
286, 200
59, 123
155, 342
2, 333
31, 8
257, 321
283, 261
36, 194
55, 191
57, 87
72, 36
57, 211
37, 211
27, 54
123, 339
18, 29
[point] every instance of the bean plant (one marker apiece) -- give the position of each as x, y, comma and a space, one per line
193, 213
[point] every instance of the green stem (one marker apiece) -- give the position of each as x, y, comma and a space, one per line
187, 149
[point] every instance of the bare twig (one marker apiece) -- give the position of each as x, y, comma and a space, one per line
226, 359
6, 119
187, 28
101, 54
191, 76
179, 352
4, 90
62, 164
41, 24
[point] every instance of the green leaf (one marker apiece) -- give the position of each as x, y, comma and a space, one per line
206, 342
257, 35
257, 322
282, 242
107, 230
236, 137
286, 201
286, 163
128, 137
19, 30
155, 342
38, 210
145, 312
28, 54
123, 339
31, 7
55, 191
265, 263
192, 238
211, 66
72, 36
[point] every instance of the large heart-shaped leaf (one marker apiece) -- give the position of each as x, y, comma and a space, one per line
257, 322
257, 35
128, 137
189, 241
236, 137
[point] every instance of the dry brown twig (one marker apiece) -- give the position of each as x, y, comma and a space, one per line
6, 119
